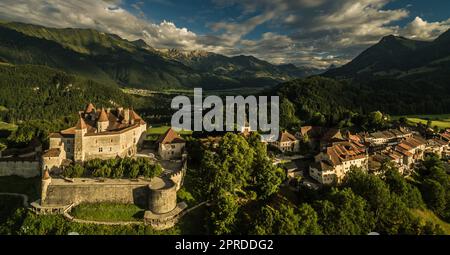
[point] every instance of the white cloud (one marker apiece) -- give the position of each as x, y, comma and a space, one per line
423, 30
305, 32
106, 16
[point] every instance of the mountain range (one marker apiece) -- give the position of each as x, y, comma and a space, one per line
107, 58
397, 76
400, 58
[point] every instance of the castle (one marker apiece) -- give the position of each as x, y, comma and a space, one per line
99, 133
105, 134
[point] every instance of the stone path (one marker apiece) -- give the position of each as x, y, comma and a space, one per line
23, 196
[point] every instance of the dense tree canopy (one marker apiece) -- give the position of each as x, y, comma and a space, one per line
114, 168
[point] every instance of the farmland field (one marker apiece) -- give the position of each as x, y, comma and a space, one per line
159, 130
440, 120
155, 132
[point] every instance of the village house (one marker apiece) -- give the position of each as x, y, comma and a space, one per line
171, 145
388, 137
287, 142
98, 134
394, 157
332, 165
413, 149
437, 146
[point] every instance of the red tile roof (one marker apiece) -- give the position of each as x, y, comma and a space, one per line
286, 137
170, 137
103, 116
344, 151
52, 153
89, 108
114, 117
46, 175
81, 124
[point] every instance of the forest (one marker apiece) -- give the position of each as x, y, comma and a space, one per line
325, 101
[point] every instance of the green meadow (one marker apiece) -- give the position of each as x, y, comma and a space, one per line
442, 121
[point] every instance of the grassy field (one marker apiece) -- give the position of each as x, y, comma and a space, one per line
440, 120
428, 215
159, 130
155, 132
108, 212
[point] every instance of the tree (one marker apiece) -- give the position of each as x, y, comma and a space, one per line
435, 196
286, 221
133, 171
236, 156
266, 176
308, 224
344, 213
119, 170
376, 120
78, 171
223, 213
103, 171
408, 193
288, 117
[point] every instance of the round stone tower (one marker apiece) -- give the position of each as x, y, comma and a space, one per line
163, 195
46, 180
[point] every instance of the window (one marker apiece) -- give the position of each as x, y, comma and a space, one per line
110, 148
100, 149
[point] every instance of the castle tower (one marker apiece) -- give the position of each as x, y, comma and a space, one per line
126, 115
80, 131
89, 108
89, 111
46, 180
102, 122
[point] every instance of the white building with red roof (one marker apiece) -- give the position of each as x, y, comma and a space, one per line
287, 142
170, 145
333, 164
99, 133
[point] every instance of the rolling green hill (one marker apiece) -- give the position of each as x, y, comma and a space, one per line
335, 99
33, 92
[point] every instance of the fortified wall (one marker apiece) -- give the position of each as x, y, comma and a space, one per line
20, 167
84, 190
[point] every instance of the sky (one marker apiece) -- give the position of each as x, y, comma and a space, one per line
313, 33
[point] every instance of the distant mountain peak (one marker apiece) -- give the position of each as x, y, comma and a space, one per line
394, 39
396, 56
444, 37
